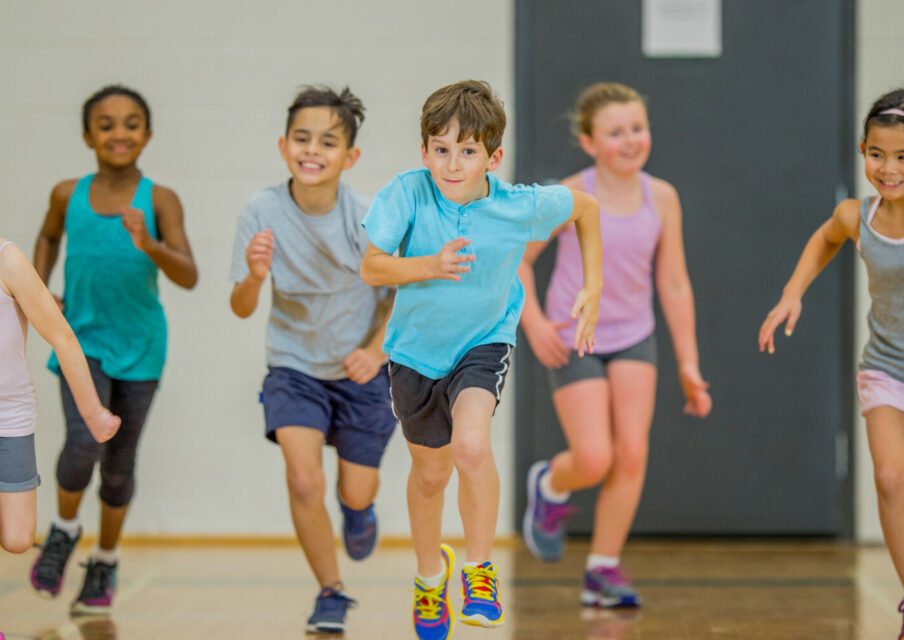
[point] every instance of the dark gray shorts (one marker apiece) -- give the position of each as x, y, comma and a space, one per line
18, 467
424, 405
593, 365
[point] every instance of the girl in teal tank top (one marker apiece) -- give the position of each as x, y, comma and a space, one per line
121, 229
876, 225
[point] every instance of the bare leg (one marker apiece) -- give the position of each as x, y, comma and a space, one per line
478, 479
68, 502
583, 411
427, 481
18, 520
302, 449
358, 484
633, 395
111, 521
885, 429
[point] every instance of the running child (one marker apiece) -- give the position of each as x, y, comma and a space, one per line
605, 402
24, 299
460, 233
876, 226
121, 229
327, 380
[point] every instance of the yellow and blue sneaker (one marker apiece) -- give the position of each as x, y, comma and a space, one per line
480, 596
433, 617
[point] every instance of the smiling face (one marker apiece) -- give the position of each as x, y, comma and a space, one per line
316, 148
117, 131
883, 153
459, 169
620, 139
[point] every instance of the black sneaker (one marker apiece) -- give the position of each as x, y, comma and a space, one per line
98, 589
47, 571
329, 612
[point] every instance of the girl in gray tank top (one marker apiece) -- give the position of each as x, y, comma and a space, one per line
876, 225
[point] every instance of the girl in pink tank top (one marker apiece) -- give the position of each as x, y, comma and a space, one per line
605, 400
24, 299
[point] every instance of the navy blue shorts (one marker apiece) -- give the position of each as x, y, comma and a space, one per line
354, 418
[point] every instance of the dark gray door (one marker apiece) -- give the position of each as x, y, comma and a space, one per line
759, 143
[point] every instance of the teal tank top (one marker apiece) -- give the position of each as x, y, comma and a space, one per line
110, 289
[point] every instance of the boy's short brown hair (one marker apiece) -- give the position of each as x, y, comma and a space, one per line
347, 107
479, 113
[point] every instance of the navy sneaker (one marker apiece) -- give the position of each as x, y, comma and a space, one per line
359, 531
329, 612
544, 521
47, 571
607, 587
98, 589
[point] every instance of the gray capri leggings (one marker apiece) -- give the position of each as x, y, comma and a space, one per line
130, 401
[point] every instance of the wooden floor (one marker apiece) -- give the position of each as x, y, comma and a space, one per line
693, 590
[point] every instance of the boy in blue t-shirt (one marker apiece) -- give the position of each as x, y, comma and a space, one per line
460, 233
327, 382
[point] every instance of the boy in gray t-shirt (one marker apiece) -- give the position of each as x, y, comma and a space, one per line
327, 380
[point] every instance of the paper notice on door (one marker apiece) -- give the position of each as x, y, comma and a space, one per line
682, 28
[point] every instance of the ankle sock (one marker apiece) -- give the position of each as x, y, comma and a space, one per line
596, 561
433, 581
107, 556
71, 527
551, 494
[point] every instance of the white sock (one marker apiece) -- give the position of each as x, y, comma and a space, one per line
107, 556
596, 561
433, 581
72, 527
551, 494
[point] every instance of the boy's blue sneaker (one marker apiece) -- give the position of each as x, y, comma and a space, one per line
329, 612
544, 521
359, 531
433, 617
480, 596
607, 587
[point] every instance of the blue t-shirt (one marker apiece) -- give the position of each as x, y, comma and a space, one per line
435, 322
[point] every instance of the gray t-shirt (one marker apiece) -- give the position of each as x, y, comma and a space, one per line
322, 310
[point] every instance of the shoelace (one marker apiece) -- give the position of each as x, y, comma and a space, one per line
480, 583
428, 602
335, 601
96, 578
54, 553
554, 515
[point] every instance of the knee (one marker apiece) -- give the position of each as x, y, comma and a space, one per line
306, 485
116, 487
358, 496
631, 461
889, 482
17, 540
592, 465
471, 452
429, 479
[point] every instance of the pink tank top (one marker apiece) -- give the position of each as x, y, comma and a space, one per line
629, 246
17, 393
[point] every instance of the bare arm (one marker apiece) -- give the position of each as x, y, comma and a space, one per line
259, 256
677, 299
586, 217
44, 314
172, 253
47, 244
379, 269
819, 251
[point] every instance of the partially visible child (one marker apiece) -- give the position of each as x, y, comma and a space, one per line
24, 299
327, 380
605, 402
876, 226
460, 233
121, 229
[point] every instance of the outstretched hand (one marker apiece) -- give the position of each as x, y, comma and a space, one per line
103, 425
585, 310
788, 311
699, 403
449, 263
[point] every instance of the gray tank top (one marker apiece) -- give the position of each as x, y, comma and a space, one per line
884, 259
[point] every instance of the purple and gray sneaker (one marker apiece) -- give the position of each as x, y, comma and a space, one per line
98, 589
47, 571
544, 520
607, 587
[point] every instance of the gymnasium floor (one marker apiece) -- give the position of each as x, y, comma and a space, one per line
693, 589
